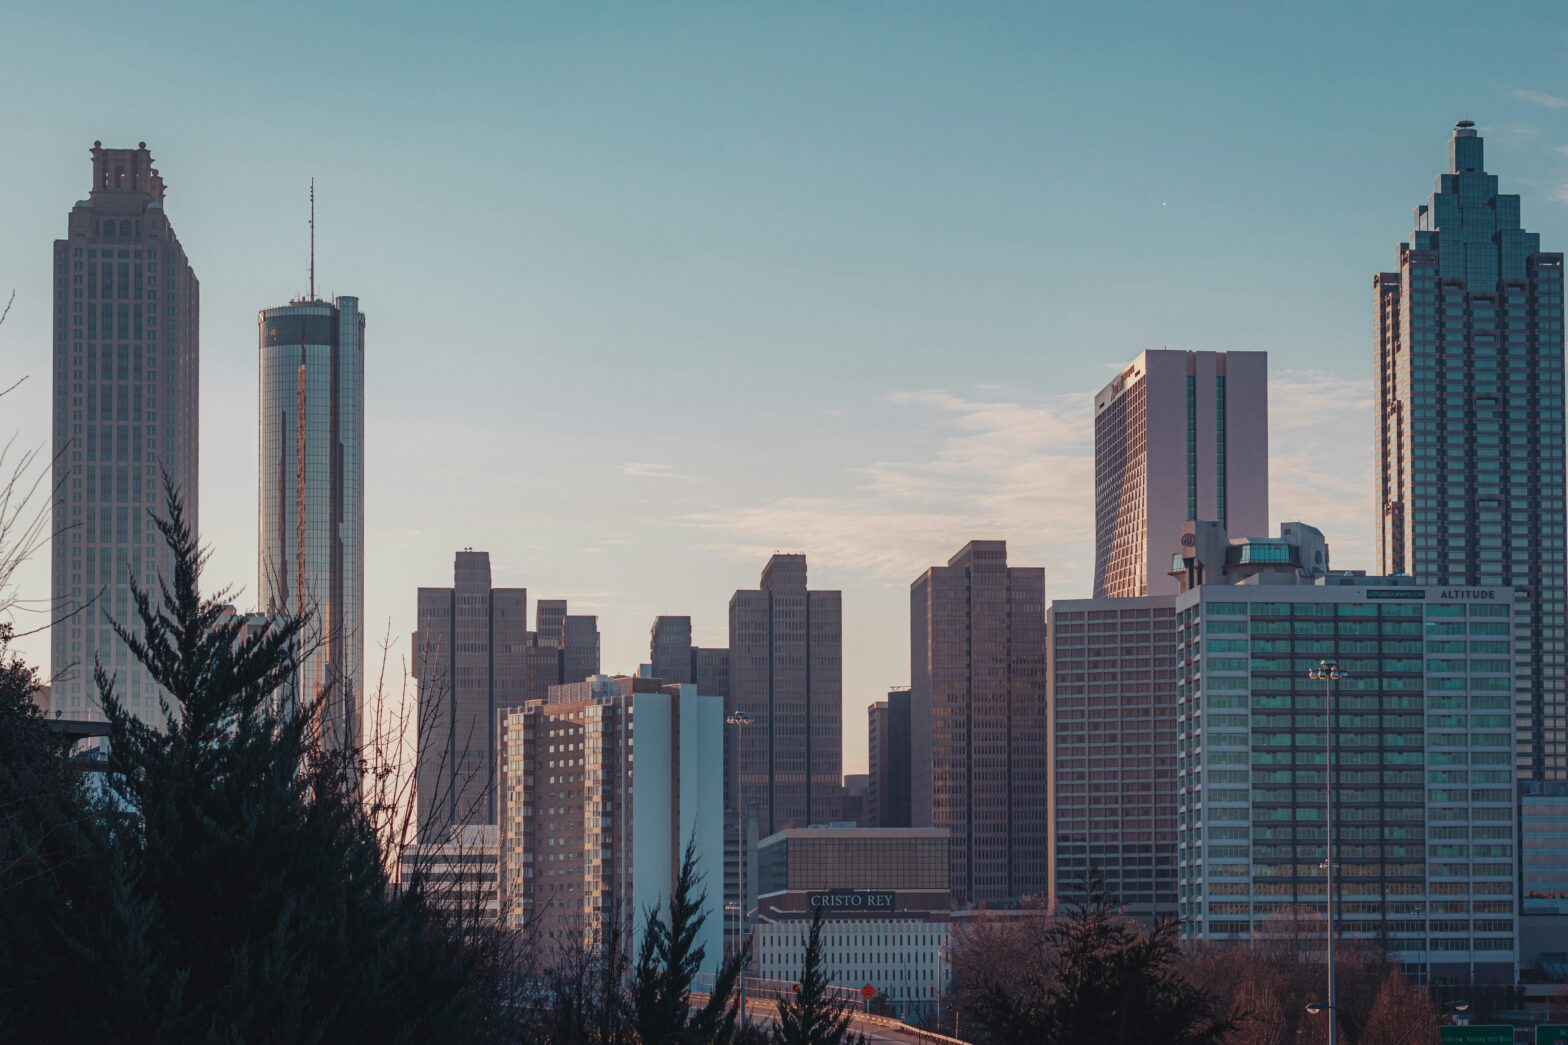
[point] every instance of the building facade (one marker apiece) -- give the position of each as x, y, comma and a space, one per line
590, 834
1469, 352
884, 898
978, 706
1177, 436
311, 522
126, 375
786, 674
470, 661
1113, 751
461, 875
1425, 843
889, 759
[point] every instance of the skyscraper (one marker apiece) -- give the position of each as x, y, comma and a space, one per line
1177, 436
887, 741
978, 706
126, 374
1113, 751
1425, 838
311, 525
470, 662
786, 673
675, 659
1469, 347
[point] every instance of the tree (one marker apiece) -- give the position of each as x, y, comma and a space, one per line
57, 891
811, 1017
668, 961
247, 898
1092, 976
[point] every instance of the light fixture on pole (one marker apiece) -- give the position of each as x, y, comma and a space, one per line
1328, 673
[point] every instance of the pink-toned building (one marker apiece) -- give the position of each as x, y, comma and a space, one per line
978, 720
1177, 436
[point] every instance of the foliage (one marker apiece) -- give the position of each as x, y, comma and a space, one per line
1089, 976
811, 1017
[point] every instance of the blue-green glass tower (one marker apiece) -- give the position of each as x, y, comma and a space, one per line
1469, 345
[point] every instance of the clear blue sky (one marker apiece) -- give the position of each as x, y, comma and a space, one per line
656, 289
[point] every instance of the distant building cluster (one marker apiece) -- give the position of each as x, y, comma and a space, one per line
1229, 731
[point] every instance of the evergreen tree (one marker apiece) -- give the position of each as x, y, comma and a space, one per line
248, 897
810, 1017
668, 961
57, 893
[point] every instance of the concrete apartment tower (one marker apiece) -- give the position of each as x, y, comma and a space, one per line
470, 662
978, 704
1177, 436
589, 832
126, 374
786, 673
311, 497
1469, 353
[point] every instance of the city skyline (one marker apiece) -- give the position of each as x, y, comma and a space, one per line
834, 491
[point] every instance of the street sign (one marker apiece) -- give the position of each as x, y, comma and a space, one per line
868, 992
1477, 1035
1551, 1034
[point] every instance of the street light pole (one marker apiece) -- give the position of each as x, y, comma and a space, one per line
1328, 671
739, 719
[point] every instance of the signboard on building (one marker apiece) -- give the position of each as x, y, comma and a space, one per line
1551, 1034
1418, 594
1477, 1035
856, 900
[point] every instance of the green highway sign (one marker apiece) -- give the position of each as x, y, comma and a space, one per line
1477, 1035
1551, 1034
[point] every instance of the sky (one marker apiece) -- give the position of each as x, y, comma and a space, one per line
655, 290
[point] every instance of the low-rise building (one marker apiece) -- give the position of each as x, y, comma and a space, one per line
883, 893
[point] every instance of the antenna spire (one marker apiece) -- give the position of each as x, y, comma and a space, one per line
313, 239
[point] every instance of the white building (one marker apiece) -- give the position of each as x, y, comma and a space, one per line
461, 873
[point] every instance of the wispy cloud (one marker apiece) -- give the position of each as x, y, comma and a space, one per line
1024, 472
653, 470
1559, 193
1546, 101
1560, 149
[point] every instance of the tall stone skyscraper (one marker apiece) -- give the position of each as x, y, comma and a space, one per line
1177, 436
311, 525
1469, 346
126, 374
786, 673
470, 664
978, 712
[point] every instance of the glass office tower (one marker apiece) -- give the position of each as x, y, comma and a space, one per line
1469, 344
1424, 830
312, 510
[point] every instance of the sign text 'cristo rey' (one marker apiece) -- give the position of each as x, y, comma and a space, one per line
852, 900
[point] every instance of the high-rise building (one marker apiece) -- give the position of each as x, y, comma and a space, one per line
673, 658
311, 525
126, 374
470, 661
786, 673
562, 648
587, 832
1177, 436
978, 706
1469, 346
669, 649
1113, 751
1425, 839
887, 741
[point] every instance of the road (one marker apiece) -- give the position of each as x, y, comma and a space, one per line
878, 1030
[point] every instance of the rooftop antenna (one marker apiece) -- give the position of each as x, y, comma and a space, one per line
313, 239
